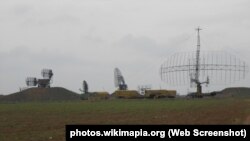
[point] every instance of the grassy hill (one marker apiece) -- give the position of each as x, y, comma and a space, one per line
41, 94
235, 92
39, 120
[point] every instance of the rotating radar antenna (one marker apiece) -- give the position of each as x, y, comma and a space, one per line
119, 80
85, 88
31, 81
45, 82
198, 68
47, 73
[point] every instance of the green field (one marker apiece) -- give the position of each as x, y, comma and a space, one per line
42, 121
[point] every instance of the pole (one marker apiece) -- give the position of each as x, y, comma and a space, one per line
197, 66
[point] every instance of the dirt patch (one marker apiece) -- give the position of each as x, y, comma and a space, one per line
247, 121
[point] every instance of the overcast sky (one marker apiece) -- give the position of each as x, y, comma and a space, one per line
86, 39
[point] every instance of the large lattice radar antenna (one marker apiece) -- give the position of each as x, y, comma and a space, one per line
200, 67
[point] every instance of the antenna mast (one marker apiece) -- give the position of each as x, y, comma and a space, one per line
197, 65
196, 80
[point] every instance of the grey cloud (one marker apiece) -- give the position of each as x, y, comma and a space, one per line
62, 19
22, 10
87, 39
28, 58
137, 42
150, 47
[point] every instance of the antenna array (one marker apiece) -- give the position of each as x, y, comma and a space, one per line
197, 68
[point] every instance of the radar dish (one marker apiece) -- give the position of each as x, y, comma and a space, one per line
119, 80
85, 88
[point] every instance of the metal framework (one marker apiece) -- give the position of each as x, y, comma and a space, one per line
85, 87
47, 73
42, 83
31, 81
119, 80
143, 88
197, 68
